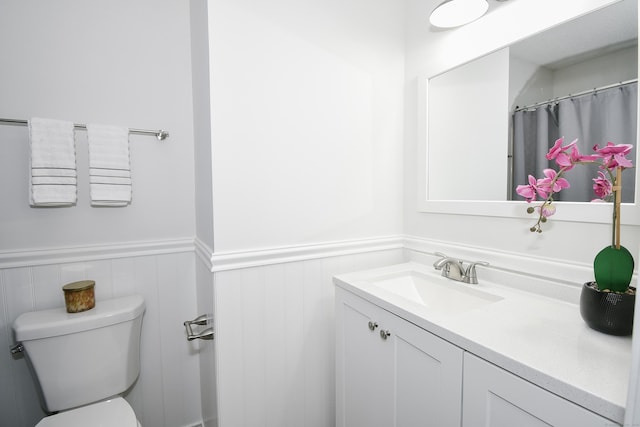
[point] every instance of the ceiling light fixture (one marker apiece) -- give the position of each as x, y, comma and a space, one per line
454, 13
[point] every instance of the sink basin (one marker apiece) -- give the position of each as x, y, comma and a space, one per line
435, 293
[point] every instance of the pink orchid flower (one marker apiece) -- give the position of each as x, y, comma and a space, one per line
558, 148
613, 155
566, 157
551, 183
576, 157
528, 191
601, 186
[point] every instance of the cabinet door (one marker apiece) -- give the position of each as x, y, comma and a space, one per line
493, 397
364, 382
428, 377
396, 375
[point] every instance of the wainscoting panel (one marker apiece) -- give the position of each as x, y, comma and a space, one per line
167, 392
275, 340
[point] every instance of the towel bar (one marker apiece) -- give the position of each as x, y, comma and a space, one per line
160, 134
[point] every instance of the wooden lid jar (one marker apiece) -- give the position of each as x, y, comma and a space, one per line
79, 296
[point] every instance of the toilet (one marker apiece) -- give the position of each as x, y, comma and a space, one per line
84, 361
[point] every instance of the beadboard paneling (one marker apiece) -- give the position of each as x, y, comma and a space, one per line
167, 392
275, 340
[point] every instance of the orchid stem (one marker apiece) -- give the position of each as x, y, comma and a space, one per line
617, 188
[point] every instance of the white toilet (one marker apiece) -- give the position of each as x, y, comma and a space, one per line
83, 361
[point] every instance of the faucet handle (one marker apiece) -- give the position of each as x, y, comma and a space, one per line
470, 274
437, 263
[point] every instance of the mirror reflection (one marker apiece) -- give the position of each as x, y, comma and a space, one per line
577, 80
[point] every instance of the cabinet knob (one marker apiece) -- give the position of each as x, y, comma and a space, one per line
373, 326
384, 334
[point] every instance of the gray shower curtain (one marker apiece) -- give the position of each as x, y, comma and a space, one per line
596, 118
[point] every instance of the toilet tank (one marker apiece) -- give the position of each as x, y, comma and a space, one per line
81, 358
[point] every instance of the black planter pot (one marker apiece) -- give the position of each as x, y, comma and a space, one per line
607, 312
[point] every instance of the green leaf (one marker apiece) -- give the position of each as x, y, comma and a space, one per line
613, 269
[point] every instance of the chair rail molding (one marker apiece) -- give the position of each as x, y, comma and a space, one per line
221, 261
44, 256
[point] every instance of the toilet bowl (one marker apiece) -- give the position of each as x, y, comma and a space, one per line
84, 361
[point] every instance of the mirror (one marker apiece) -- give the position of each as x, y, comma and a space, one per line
469, 107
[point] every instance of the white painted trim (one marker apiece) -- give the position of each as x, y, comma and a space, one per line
254, 258
213, 261
562, 272
204, 253
32, 257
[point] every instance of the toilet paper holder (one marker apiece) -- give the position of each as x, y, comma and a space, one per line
205, 334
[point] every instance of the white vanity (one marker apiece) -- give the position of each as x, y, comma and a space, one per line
417, 349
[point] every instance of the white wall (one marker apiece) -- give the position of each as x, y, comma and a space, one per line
306, 130
307, 121
455, 121
122, 63
200, 70
530, 83
614, 67
431, 52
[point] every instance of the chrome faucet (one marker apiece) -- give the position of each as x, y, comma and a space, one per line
451, 268
454, 269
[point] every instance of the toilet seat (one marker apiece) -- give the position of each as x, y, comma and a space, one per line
109, 413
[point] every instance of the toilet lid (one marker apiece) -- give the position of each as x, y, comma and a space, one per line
110, 413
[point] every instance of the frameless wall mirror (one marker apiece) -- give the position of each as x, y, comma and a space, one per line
502, 112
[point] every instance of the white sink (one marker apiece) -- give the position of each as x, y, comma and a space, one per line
435, 293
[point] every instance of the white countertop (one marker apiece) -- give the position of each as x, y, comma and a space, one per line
541, 339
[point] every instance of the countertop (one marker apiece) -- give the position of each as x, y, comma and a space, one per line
539, 338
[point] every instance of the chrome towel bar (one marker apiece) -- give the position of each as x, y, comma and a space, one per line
160, 134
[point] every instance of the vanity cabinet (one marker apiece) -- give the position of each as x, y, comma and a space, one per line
494, 397
391, 372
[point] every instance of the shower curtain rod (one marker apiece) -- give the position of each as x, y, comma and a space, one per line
160, 134
594, 90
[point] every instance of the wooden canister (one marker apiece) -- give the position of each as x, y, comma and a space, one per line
79, 296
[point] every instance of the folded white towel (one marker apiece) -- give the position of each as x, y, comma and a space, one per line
53, 195
53, 161
109, 157
108, 147
116, 180
53, 180
110, 172
53, 172
110, 195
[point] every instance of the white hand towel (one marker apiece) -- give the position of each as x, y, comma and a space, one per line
53, 195
53, 160
110, 195
114, 180
53, 180
71, 173
110, 172
109, 157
